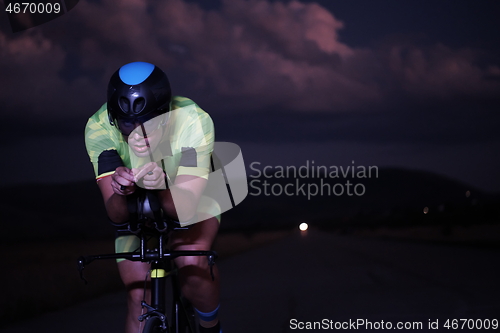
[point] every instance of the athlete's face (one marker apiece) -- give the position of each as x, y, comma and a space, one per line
144, 139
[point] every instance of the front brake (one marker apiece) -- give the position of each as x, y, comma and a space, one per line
211, 263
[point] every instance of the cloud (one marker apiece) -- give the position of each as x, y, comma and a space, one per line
266, 54
28, 75
248, 55
439, 71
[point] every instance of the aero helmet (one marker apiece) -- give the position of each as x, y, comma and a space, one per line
137, 92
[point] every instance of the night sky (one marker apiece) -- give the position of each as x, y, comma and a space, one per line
413, 84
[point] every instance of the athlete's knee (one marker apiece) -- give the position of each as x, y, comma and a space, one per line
135, 296
192, 262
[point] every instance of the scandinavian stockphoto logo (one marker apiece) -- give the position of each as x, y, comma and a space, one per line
310, 180
163, 139
226, 186
28, 14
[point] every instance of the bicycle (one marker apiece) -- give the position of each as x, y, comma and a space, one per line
162, 267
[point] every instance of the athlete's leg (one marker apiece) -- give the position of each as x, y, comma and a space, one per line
194, 272
133, 274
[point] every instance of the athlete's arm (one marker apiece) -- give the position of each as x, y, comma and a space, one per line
181, 200
115, 198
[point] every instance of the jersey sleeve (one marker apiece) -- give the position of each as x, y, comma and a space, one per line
101, 147
197, 142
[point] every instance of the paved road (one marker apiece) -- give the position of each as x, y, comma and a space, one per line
323, 276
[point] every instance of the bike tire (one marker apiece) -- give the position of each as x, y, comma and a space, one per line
153, 325
187, 319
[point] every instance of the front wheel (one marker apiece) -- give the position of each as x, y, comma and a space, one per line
153, 325
186, 318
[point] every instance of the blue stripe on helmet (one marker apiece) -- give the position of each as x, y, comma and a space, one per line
135, 72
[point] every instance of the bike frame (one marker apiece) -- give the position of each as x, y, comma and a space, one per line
161, 270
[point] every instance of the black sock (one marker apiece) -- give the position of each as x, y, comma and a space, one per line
215, 329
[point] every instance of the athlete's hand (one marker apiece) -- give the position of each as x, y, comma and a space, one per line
123, 182
152, 176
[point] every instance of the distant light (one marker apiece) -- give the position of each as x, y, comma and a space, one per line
303, 226
426, 210
467, 194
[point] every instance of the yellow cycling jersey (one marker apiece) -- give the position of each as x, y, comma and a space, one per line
185, 147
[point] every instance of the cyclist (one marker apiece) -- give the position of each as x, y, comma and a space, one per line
143, 137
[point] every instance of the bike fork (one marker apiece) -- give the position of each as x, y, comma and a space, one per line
157, 307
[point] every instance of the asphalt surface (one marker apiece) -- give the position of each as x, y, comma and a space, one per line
333, 280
